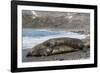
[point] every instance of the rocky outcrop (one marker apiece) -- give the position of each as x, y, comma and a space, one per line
55, 46
51, 19
27, 17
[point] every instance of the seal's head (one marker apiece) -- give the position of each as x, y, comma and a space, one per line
40, 51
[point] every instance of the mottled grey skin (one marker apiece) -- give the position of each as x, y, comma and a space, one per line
71, 42
55, 46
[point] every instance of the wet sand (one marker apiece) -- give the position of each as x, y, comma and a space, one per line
76, 55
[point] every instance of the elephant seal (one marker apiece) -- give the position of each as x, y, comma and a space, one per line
56, 45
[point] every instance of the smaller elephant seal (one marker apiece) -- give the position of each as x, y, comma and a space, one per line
55, 46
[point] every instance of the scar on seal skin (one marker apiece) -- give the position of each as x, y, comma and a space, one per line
55, 46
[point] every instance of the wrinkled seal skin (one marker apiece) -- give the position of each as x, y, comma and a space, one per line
55, 46
72, 42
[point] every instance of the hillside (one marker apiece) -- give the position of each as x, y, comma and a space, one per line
56, 20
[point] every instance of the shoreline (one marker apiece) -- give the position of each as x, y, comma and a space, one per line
33, 41
80, 31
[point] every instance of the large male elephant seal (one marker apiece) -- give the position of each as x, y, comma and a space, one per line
56, 45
